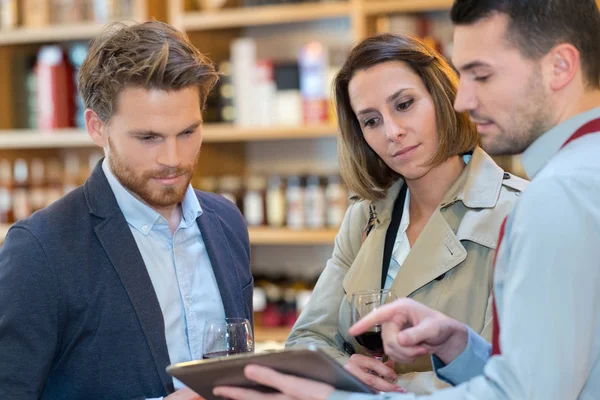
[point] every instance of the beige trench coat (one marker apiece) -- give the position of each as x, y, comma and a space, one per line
449, 267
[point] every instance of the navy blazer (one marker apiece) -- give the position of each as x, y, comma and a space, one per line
79, 318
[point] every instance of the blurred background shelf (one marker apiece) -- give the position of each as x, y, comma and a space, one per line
213, 133
393, 6
263, 15
26, 35
271, 236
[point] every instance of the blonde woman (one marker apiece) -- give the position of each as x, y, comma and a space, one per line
429, 204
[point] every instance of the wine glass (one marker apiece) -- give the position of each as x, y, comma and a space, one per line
227, 336
363, 302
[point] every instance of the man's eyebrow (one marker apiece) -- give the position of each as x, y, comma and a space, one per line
471, 65
150, 132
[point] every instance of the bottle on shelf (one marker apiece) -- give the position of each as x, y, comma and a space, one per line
254, 201
55, 89
38, 191
21, 202
337, 201
295, 202
6, 198
54, 180
314, 203
231, 188
276, 202
72, 172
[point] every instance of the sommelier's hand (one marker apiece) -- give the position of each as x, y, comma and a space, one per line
374, 373
411, 330
290, 387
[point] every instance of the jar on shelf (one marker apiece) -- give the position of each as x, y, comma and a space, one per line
276, 202
254, 200
314, 203
231, 188
295, 202
6, 214
21, 203
337, 201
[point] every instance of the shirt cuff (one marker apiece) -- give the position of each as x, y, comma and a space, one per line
468, 364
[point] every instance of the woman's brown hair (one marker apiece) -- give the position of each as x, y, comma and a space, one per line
363, 171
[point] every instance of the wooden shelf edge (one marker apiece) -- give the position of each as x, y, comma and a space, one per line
271, 236
52, 33
232, 133
263, 15
213, 133
394, 6
34, 139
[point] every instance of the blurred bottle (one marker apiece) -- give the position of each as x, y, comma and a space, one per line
71, 175
77, 54
254, 201
276, 202
21, 203
6, 212
295, 202
337, 201
313, 77
55, 89
231, 188
54, 180
314, 203
37, 192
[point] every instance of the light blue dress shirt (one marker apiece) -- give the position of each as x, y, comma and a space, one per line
179, 268
547, 285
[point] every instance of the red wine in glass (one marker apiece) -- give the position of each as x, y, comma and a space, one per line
363, 303
372, 342
226, 337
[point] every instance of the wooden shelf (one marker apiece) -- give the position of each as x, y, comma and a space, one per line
270, 236
23, 35
279, 334
34, 139
213, 133
375, 7
263, 15
233, 133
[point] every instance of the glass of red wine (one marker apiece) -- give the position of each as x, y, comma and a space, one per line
227, 337
363, 302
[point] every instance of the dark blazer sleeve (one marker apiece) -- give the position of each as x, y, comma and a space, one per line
29, 326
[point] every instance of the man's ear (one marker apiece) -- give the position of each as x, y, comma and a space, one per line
95, 128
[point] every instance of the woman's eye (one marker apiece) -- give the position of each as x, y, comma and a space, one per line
482, 78
369, 123
405, 105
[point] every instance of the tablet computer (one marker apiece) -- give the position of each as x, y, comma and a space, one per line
311, 363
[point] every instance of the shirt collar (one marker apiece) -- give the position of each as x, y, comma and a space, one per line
547, 145
143, 217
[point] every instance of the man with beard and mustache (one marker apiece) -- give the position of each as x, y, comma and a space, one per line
105, 288
530, 78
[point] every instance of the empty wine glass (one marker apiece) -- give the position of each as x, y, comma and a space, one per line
226, 337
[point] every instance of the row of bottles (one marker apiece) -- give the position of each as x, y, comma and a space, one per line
278, 301
30, 185
295, 202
